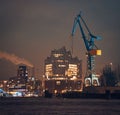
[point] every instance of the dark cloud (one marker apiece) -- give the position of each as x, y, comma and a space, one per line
27, 27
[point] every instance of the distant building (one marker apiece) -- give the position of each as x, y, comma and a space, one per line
23, 83
61, 69
22, 72
20, 81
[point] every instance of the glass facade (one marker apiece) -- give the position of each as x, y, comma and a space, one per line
62, 71
61, 64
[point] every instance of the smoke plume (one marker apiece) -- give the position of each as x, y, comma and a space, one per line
14, 59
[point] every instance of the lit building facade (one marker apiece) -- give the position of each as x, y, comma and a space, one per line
23, 82
19, 82
61, 69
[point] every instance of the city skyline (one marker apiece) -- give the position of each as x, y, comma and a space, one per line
31, 29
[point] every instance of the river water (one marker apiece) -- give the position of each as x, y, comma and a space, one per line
58, 106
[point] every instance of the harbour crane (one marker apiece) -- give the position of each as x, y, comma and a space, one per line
91, 48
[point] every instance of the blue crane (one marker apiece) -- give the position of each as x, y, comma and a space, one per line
91, 48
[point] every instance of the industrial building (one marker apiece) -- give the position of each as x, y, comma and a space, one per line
62, 71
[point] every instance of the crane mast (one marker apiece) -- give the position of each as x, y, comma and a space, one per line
91, 48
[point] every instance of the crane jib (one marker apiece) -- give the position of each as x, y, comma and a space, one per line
91, 48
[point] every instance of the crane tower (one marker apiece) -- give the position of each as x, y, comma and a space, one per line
92, 50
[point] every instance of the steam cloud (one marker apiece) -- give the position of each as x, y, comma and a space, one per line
14, 59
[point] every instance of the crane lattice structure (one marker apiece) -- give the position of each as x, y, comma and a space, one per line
91, 48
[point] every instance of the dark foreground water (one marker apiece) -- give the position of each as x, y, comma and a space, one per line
55, 106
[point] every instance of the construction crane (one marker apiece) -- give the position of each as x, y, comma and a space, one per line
92, 50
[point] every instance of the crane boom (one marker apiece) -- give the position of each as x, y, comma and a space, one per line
77, 21
89, 43
91, 48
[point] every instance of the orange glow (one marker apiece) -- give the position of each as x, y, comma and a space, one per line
99, 52
95, 52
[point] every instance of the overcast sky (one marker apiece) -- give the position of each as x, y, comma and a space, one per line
30, 29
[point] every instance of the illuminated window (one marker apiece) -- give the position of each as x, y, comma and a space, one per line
61, 65
58, 55
72, 66
58, 82
72, 70
59, 60
48, 67
48, 70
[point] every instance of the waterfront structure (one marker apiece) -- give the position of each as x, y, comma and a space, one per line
18, 83
23, 82
62, 71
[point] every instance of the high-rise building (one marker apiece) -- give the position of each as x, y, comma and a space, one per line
62, 69
22, 72
18, 83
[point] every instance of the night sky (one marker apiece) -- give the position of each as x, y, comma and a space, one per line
30, 29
